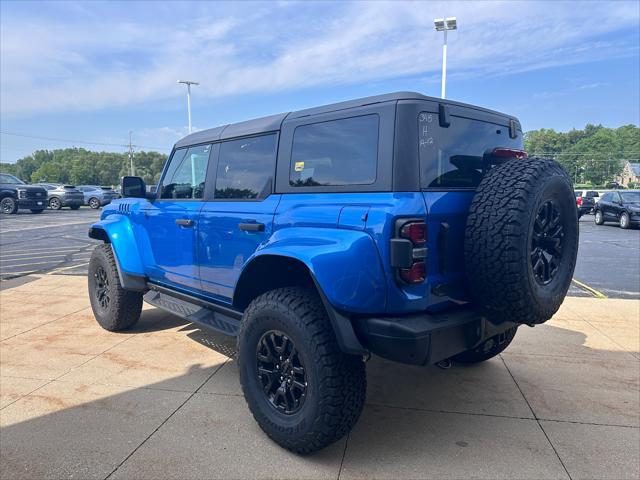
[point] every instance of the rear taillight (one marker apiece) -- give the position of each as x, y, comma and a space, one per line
579, 201
508, 153
414, 231
415, 274
408, 250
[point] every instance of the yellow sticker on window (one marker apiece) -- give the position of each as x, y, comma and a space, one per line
298, 166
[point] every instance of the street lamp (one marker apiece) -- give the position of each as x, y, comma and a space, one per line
188, 83
443, 25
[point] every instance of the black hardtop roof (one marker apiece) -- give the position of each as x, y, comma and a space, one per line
273, 122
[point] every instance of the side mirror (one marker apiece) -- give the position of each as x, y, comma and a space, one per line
133, 187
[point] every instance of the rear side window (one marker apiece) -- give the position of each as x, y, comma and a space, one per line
186, 173
452, 157
246, 168
337, 152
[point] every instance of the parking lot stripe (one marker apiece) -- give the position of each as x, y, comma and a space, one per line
10, 253
49, 262
3, 259
56, 270
43, 226
589, 289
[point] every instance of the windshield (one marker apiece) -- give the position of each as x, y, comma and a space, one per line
6, 178
630, 197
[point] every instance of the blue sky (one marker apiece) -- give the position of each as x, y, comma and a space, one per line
92, 71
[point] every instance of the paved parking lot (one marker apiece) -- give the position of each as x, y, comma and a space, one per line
51, 242
163, 401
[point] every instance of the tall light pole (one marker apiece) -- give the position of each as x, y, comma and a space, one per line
444, 25
188, 83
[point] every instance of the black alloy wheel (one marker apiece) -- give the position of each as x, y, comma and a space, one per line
281, 372
8, 206
102, 287
546, 242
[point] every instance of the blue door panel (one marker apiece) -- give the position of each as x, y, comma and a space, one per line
223, 248
168, 250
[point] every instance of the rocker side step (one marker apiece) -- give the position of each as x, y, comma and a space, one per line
194, 312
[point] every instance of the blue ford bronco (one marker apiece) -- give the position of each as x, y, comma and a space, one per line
410, 227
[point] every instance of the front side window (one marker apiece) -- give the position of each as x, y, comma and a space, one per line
453, 156
10, 179
186, 173
246, 168
337, 152
607, 197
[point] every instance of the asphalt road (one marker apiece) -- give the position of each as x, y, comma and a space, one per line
53, 242
56, 242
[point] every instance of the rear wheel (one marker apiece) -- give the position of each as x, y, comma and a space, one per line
624, 220
94, 203
37, 210
55, 204
114, 307
302, 390
489, 349
8, 206
74, 207
521, 240
598, 218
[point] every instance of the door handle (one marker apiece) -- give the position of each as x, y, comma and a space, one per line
185, 222
251, 227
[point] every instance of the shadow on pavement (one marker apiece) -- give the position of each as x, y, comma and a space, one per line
419, 421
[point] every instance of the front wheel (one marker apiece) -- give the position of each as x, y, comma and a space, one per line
303, 391
94, 203
8, 206
598, 218
624, 220
114, 307
488, 349
74, 207
37, 210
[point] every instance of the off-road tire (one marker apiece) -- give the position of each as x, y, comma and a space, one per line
624, 220
488, 349
55, 204
8, 206
514, 203
37, 210
598, 217
336, 381
94, 203
123, 308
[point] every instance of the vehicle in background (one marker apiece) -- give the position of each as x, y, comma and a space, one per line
96, 196
15, 194
60, 196
585, 201
622, 207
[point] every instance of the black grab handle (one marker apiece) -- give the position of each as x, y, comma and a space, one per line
251, 227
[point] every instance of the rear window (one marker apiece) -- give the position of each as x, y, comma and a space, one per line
452, 157
337, 152
592, 194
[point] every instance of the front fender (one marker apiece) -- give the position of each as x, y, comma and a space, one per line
344, 263
119, 233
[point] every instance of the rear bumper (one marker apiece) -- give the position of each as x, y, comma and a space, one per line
426, 338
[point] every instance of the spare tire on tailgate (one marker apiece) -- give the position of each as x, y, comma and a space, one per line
521, 240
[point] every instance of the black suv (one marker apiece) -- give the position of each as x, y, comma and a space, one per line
15, 194
622, 207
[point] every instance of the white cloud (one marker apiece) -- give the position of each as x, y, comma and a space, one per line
88, 60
